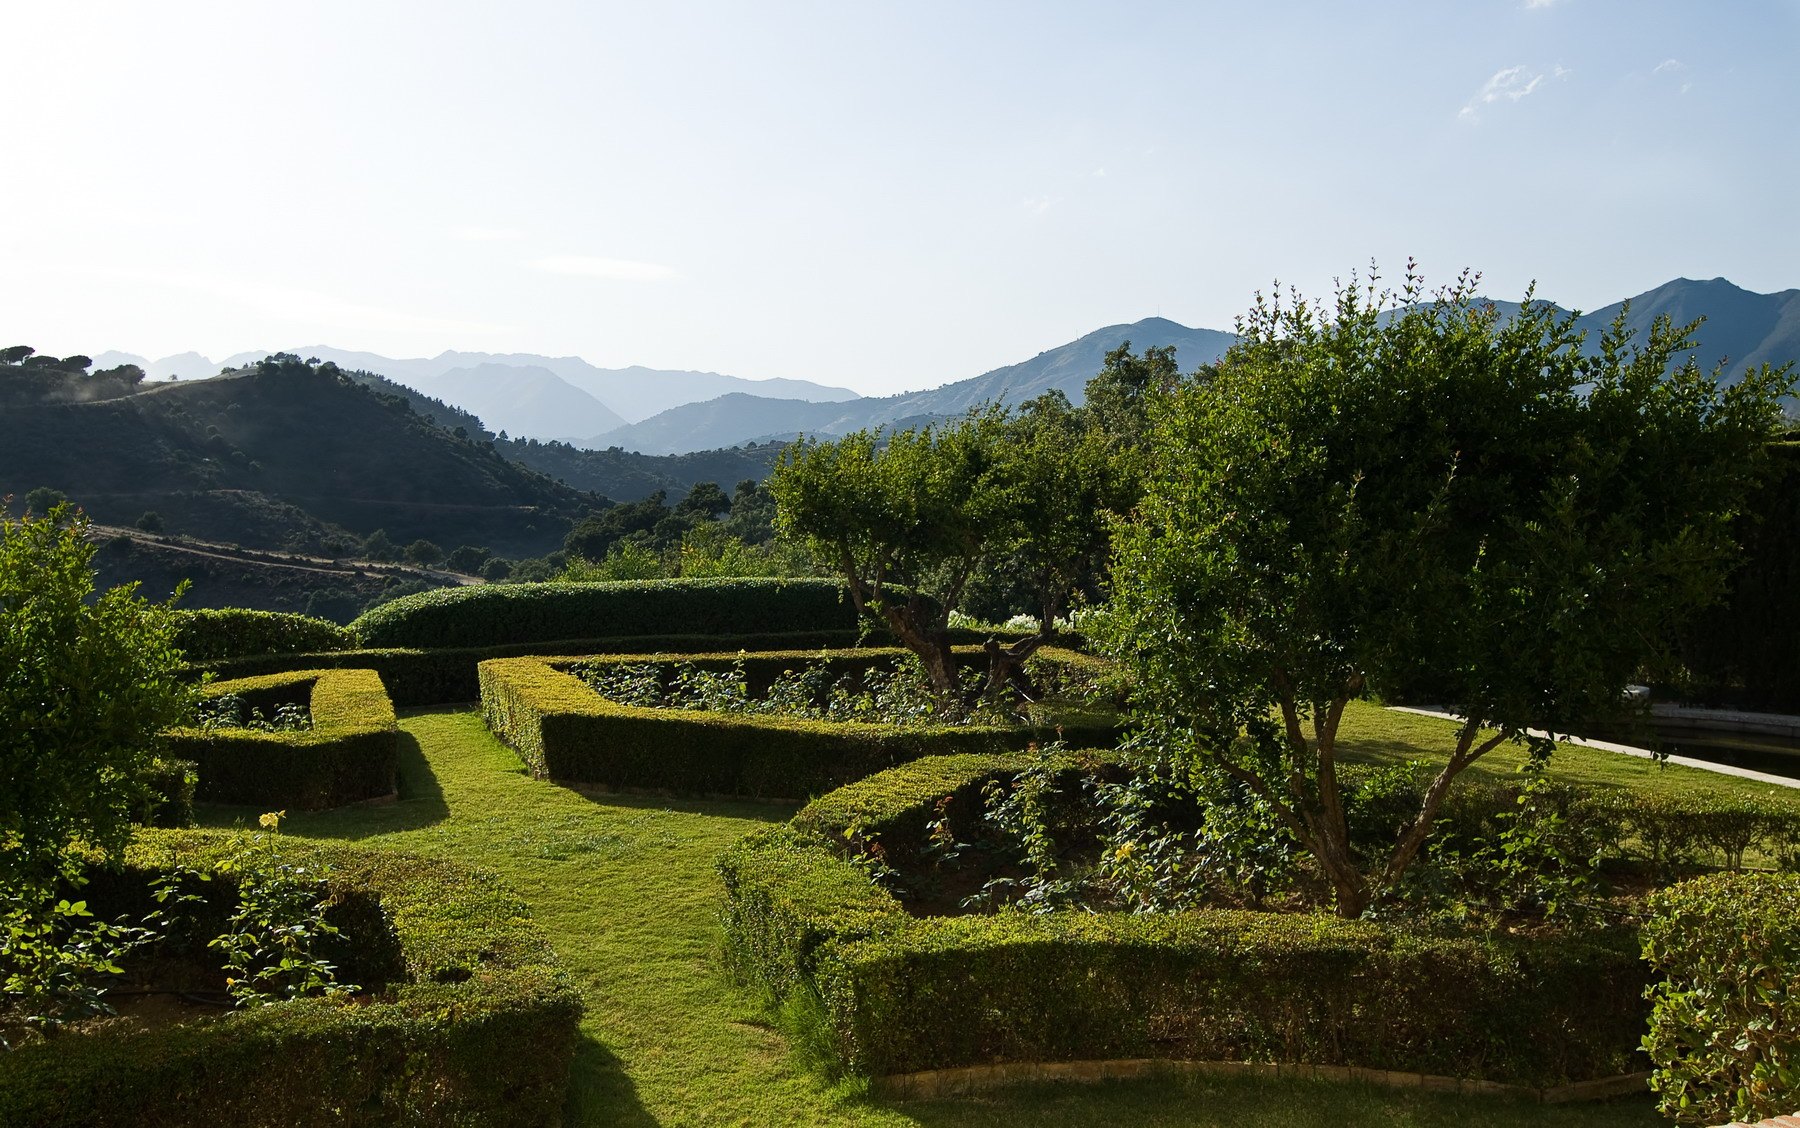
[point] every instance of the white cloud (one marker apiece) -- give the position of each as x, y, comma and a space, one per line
468, 234
1508, 85
1100, 172
1036, 205
618, 270
1674, 68
1541, 3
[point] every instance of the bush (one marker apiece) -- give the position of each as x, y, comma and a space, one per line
565, 731
1725, 1019
463, 983
501, 614
351, 753
898, 993
167, 793
236, 632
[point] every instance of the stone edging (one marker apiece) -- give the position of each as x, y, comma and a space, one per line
934, 1084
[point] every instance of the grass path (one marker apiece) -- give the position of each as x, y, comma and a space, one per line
626, 890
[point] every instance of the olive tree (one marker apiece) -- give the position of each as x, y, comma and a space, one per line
1387, 489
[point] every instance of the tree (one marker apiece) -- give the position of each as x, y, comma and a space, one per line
1117, 398
15, 354
703, 503
905, 518
87, 682
1361, 496
378, 546
43, 500
76, 363
150, 522
467, 558
594, 535
128, 374
424, 553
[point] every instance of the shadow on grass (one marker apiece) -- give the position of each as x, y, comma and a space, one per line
600, 1091
723, 806
420, 803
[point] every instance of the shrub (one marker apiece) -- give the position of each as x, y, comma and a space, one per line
462, 983
167, 793
493, 615
898, 993
1725, 1019
351, 753
236, 632
567, 732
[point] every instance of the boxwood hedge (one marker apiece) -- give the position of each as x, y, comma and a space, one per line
236, 632
351, 753
900, 994
565, 731
467, 1020
500, 614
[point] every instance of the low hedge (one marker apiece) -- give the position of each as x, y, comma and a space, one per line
565, 731
500, 614
444, 677
351, 753
236, 632
1725, 1024
900, 994
467, 1020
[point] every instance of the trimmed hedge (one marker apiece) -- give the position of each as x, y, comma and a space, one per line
351, 753
469, 1019
444, 677
565, 731
236, 632
900, 994
501, 614
1725, 1025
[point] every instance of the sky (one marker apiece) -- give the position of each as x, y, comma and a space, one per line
879, 196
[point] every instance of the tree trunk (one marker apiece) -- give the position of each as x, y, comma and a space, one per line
931, 645
1006, 666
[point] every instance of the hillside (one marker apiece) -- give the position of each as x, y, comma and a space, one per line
524, 401
281, 455
1746, 328
1067, 368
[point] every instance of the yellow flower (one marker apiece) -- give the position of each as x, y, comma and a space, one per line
271, 820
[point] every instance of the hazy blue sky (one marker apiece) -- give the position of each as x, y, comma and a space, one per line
882, 196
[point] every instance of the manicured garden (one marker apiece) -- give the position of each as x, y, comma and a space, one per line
626, 889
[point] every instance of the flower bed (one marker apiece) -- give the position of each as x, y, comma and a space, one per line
465, 1017
567, 732
350, 753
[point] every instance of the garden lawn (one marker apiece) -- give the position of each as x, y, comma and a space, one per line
1372, 734
625, 887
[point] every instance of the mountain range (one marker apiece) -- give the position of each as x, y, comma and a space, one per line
657, 412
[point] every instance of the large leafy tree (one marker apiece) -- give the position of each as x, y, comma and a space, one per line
87, 682
1388, 489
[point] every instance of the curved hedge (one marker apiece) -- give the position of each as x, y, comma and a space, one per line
900, 994
468, 1019
565, 731
236, 632
501, 614
351, 753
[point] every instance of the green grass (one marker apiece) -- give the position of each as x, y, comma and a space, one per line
625, 887
1373, 734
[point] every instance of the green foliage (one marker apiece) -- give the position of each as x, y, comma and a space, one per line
349, 753
39, 502
460, 980
565, 731
234, 632
87, 682
1359, 498
1725, 1021
529, 613
54, 963
272, 942
901, 993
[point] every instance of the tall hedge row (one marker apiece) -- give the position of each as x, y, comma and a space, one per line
503, 614
565, 731
472, 1021
901, 994
236, 632
351, 753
